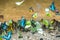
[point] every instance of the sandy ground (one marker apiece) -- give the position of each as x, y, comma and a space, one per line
10, 10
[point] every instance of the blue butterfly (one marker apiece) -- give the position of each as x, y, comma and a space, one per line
8, 36
22, 22
52, 7
4, 26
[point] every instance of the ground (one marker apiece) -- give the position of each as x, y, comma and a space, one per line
10, 10
36, 36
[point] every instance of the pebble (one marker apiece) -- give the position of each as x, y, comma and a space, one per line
36, 36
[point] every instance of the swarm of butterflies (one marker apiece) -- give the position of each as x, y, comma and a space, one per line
27, 25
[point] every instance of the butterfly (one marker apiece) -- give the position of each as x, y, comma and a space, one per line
19, 3
8, 36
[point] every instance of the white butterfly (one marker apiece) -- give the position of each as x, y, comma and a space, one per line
47, 9
19, 3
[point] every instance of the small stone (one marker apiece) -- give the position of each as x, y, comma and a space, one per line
30, 38
20, 37
41, 38
52, 34
58, 36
